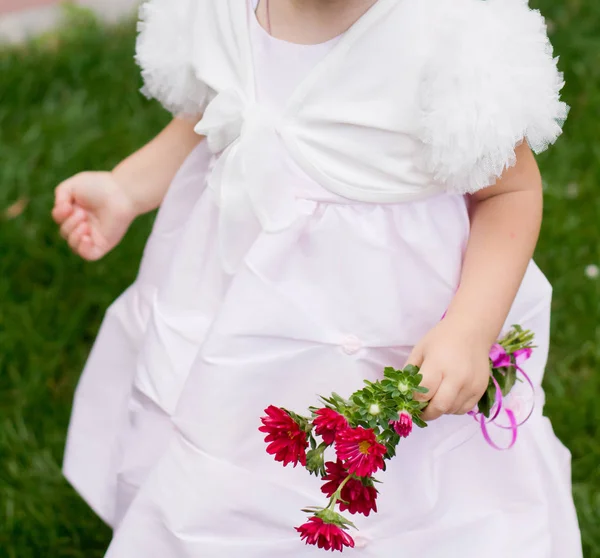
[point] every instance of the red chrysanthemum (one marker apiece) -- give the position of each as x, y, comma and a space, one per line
336, 473
360, 451
358, 495
324, 535
327, 423
403, 426
287, 441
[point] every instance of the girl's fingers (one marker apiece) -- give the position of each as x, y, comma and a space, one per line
474, 388
468, 406
69, 225
76, 236
461, 402
63, 193
416, 357
444, 402
432, 379
63, 200
86, 247
61, 211
88, 250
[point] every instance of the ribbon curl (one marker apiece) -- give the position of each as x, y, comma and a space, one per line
501, 359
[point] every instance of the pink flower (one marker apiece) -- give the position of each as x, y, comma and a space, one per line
287, 441
358, 495
325, 535
360, 451
327, 423
499, 357
522, 355
403, 426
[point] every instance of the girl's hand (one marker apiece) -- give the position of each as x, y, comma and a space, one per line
93, 212
454, 361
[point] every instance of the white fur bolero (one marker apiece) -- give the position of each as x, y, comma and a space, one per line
419, 95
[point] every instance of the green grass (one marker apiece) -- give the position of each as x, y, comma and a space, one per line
71, 102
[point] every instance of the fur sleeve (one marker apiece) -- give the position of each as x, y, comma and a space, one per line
164, 52
490, 82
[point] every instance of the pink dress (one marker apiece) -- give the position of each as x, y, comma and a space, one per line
164, 441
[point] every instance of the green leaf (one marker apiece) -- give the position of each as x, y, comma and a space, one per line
500, 376
418, 421
329, 516
511, 378
315, 463
413, 370
487, 400
485, 405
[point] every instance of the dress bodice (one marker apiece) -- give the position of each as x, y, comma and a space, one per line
417, 98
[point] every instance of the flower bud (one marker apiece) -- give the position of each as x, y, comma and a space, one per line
374, 409
404, 387
403, 426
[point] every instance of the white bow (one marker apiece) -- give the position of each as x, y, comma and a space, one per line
250, 196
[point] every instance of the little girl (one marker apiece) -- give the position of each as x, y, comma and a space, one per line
339, 175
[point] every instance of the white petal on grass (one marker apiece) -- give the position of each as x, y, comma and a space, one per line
592, 271
572, 190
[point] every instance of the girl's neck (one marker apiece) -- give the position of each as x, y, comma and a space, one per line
311, 21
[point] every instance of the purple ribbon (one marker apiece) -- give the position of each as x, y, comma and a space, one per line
501, 359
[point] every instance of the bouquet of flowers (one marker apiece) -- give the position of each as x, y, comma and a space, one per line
364, 430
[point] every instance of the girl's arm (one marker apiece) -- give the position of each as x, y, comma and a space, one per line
505, 223
146, 175
95, 209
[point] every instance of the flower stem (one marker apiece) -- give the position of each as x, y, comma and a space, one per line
337, 494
